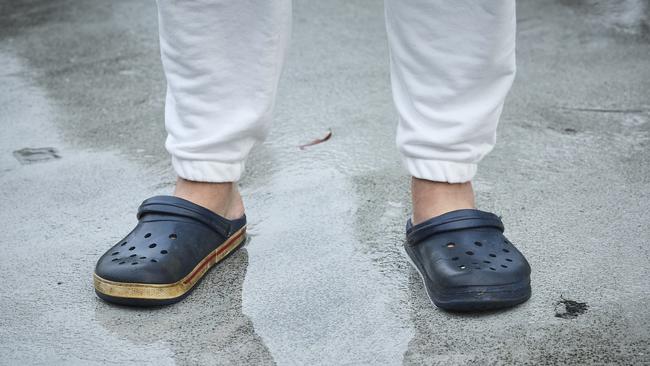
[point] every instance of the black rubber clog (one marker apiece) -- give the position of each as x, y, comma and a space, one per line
162, 259
466, 262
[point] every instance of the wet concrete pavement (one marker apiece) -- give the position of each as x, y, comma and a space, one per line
323, 279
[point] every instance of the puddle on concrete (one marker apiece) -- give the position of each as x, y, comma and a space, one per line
31, 116
39, 314
30, 155
313, 292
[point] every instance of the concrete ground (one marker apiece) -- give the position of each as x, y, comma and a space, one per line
323, 279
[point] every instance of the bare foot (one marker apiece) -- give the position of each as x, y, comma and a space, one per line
221, 198
432, 199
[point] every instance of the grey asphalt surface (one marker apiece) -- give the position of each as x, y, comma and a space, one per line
323, 279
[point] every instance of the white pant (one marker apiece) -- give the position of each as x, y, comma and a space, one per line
452, 64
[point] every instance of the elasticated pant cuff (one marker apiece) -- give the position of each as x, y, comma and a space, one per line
207, 171
440, 171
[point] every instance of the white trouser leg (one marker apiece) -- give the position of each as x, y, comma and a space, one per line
222, 60
452, 65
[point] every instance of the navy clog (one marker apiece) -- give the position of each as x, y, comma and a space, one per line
466, 262
162, 259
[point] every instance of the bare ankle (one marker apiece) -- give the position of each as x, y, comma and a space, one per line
221, 198
432, 199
